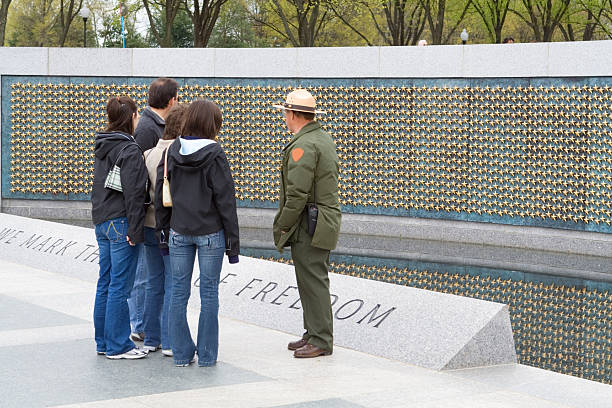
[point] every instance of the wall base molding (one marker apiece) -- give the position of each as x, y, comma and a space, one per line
575, 254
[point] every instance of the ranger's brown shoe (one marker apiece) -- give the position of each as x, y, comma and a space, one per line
309, 351
294, 345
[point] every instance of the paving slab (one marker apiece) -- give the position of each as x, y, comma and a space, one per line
255, 369
23, 315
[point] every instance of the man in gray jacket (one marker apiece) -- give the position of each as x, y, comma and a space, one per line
163, 95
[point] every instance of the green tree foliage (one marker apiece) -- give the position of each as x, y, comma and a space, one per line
605, 22
302, 23
204, 15
4, 7
235, 28
587, 20
444, 17
181, 32
37, 23
68, 10
161, 14
298, 21
110, 33
397, 22
493, 14
542, 16
32, 24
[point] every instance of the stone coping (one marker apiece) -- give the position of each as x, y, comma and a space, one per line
592, 58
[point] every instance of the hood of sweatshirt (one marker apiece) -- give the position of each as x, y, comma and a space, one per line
107, 141
194, 155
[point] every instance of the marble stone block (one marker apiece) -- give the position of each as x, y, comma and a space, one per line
505, 60
420, 327
580, 58
181, 62
104, 62
24, 61
255, 62
340, 62
441, 61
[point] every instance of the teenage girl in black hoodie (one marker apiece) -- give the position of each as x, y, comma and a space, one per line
119, 220
202, 219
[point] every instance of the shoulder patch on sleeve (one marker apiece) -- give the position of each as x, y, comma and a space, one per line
296, 154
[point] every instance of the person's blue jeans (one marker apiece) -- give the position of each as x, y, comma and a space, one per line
117, 261
158, 289
136, 300
210, 249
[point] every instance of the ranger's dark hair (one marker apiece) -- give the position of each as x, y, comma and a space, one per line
305, 115
120, 111
161, 91
203, 120
175, 121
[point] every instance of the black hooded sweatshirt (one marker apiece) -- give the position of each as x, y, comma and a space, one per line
203, 195
108, 204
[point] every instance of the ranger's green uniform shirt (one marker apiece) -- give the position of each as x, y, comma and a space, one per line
309, 160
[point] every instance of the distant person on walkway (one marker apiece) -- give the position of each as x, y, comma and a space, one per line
158, 285
163, 94
508, 40
119, 218
308, 218
202, 220
422, 43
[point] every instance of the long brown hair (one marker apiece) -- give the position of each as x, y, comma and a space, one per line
175, 121
120, 111
203, 120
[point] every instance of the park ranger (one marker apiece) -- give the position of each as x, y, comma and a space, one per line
308, 218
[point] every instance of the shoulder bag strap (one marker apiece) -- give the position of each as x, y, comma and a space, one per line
166, 164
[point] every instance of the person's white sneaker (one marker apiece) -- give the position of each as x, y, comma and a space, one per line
149, 349
133, 354
186, 365
167, 352
137, 336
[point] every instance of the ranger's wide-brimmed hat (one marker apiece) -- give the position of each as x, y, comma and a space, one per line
300, 100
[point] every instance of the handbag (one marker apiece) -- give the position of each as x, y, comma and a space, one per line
113, 178
166, 197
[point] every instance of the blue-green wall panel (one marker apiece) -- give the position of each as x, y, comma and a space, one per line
473, 149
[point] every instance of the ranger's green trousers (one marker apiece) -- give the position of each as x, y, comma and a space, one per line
311, 269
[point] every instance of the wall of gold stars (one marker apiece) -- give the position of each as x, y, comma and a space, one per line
561, 325
523, 152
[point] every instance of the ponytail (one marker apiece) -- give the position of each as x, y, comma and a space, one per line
120, 111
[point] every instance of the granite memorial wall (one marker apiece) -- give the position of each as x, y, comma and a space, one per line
516, 136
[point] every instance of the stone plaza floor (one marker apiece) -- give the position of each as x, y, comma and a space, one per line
48, 358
